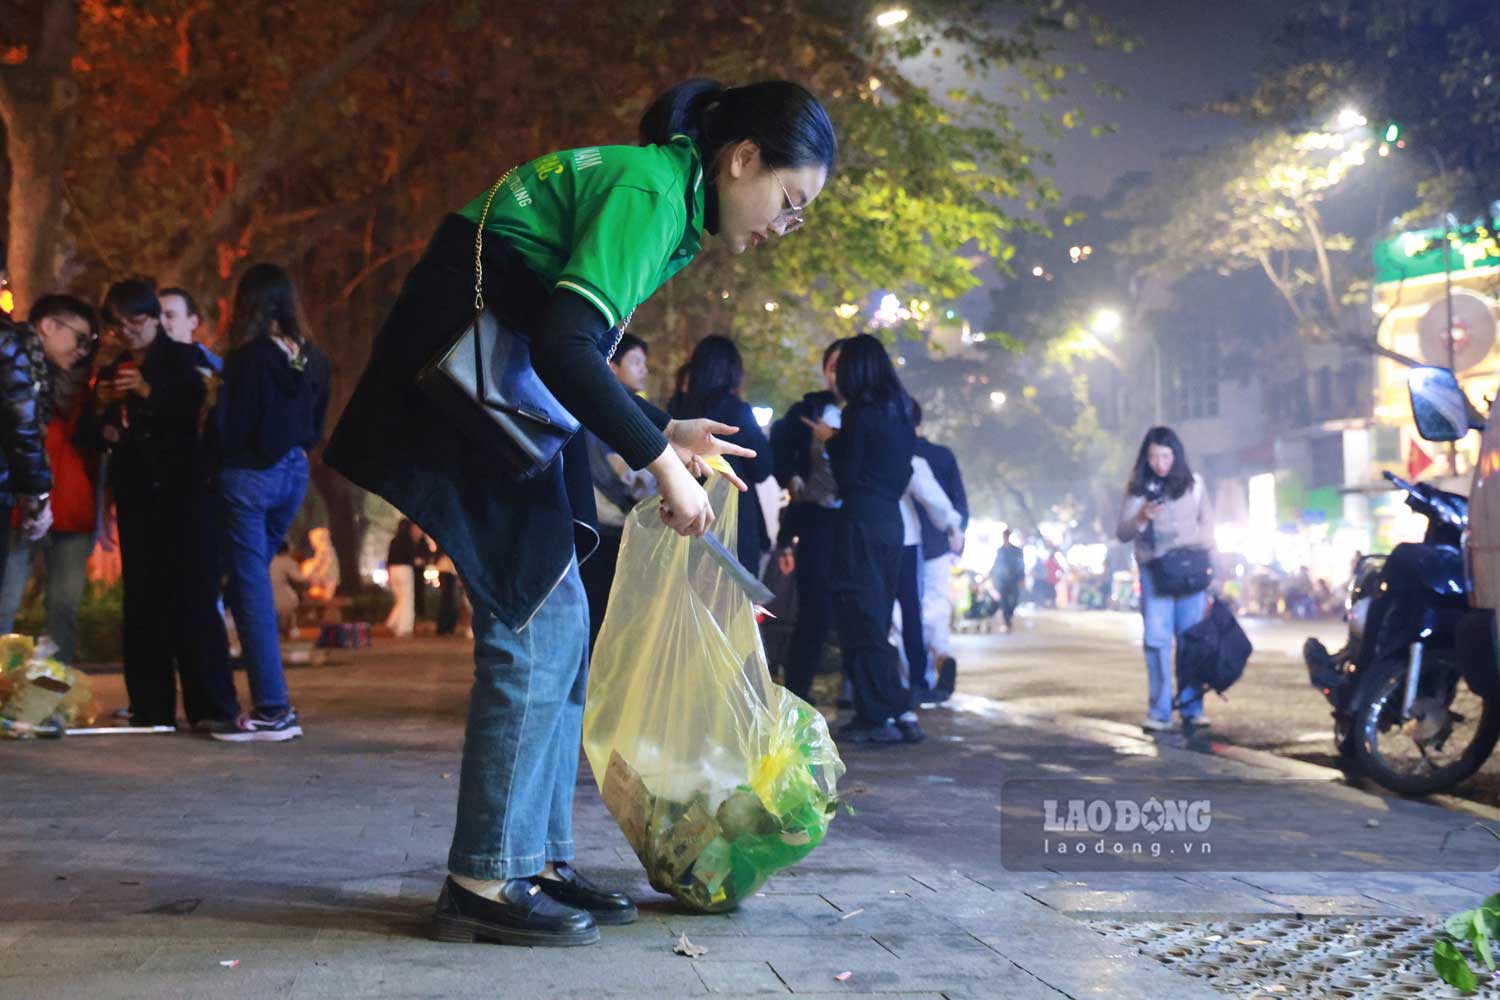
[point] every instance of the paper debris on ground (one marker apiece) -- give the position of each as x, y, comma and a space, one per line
686, 947
843, 977
230, 963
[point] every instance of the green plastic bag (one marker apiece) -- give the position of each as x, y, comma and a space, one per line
717, 776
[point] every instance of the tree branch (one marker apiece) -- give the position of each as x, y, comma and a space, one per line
1036, 526
330, 219
376, 264
1281, 287
1325, 270
271, 149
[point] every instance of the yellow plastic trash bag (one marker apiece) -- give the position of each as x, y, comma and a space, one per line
717, 776
36, 688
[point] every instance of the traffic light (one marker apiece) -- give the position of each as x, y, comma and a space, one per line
1392, 132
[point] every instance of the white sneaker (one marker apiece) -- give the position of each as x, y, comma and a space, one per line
1156, 725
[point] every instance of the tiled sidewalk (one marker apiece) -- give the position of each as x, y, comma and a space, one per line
135, 866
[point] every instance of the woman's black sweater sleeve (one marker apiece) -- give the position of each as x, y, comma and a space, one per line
565, 352
661, 418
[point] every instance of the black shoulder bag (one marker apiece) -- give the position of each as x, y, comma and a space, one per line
1185, 570
483, 380
1181, 572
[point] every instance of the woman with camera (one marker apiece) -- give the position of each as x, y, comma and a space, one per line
1166, 514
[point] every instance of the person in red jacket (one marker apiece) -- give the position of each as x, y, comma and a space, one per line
67, 333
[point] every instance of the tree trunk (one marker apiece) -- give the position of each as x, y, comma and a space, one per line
341, 499
38, 105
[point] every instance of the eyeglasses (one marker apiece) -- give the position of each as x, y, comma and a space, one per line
84, 337
791, 213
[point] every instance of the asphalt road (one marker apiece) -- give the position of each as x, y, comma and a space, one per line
1089, 663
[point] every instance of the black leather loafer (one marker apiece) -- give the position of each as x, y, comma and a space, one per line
572, 889
524, 915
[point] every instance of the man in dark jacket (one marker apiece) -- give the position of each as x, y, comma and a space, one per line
1009, 573
25, 478
149, 411
802, 469
938, 559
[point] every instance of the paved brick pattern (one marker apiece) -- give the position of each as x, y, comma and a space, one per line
133, 866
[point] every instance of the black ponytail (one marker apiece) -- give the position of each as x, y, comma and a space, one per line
679, 111
785, 120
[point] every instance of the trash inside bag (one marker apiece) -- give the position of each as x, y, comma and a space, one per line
36, 689
718, 776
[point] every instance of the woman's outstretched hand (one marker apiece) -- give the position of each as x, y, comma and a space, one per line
695, 440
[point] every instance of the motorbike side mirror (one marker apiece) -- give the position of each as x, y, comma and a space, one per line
1438, 405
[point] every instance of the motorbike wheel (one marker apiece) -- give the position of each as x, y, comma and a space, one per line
1450, 735
1345, 735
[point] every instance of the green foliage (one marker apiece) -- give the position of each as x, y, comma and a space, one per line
211, 136
229, 137
1449, 963
929, 181
1478, 928
1257, 204
1429, 67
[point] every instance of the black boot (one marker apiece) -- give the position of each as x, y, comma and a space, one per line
572, 889
523, 915
947, 678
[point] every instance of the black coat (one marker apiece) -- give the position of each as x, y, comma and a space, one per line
791, 439
23, 466
752, 540
871, 458
511, 542
161, 452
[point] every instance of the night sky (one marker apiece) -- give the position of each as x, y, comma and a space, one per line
1189, 52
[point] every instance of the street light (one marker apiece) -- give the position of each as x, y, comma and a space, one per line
1106, 322
997, 400
1350, 119
892, 17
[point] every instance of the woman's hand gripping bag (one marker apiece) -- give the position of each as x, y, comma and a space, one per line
718, 776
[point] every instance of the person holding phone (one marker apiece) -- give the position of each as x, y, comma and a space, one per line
800, 464
1165, 507
148, 410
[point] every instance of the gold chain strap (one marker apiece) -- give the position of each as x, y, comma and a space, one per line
479, 262
479, 242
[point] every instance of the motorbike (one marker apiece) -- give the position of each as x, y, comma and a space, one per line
1402, 705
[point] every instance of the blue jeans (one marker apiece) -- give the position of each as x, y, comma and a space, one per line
1166, 618
520, 766
258, 506
67, 555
